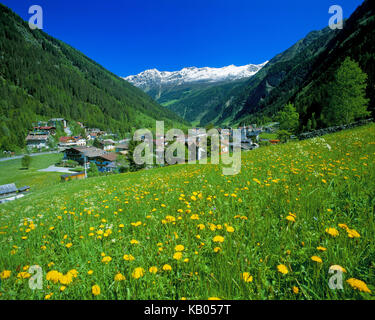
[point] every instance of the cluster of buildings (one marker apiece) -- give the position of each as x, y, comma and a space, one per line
105, 152
44, 132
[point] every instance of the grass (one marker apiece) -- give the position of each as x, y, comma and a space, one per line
11, 171
269, 136
238, 232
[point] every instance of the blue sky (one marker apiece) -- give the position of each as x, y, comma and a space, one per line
127, 37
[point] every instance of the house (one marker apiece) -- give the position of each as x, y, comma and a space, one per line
107, 145
37, 141
44, 130
105, 162
80, 141
71, 141
122, 148
66, 141
91, 136
79, 154
74, 176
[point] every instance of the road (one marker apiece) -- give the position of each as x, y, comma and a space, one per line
56, 169
31, 155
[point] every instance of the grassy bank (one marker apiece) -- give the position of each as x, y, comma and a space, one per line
11, 171
186, 231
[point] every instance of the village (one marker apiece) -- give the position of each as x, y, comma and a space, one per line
103, 148
86, 150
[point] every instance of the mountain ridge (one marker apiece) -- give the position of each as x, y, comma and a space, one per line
42, 77
193, 74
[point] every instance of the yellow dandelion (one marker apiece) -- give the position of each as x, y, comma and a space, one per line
282, 268
95, 289
153, 269
5, 274
128, 257
332, 232
353, 233
119, 277
230, 229
177, 256
358, 285
179, 247
138, 273
167, 267
247, 277
218, 239
316, 259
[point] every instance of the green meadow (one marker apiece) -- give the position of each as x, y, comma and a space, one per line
274, 231
11, 171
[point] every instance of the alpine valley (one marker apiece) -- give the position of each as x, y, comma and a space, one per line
255, 93
192, 92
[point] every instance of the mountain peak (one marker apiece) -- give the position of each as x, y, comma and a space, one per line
153, 77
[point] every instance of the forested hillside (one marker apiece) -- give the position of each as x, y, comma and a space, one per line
42, 77
196, 102
307, 83
302, 75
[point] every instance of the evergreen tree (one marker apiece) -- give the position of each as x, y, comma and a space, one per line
26, 161
288, 118
347, 100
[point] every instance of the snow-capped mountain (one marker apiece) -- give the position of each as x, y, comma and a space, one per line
149, 79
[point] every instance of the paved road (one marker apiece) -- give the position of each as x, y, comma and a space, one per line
56, 169
31, 155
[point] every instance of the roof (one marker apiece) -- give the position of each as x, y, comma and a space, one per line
8, 188
108, 141
65, 139
90, 152
24, 188
36, 137
73, 174
123, 146
109, 156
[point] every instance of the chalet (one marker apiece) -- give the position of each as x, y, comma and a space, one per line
105, 162
107, 145
37, 141
80, 153
71, 141
44, 130
66, 141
